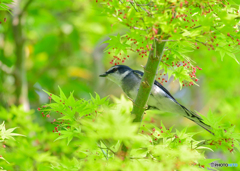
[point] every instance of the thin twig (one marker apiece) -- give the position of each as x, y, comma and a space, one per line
200, 42
136, 28
133, 6
192, 28
167, 40
104, 154
197, 27
146, 11
107, 147
138, 157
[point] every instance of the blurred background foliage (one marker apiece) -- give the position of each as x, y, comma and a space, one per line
44, 44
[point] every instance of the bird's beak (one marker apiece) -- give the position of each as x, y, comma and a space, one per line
103, 75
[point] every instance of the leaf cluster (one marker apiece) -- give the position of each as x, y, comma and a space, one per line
7, 134
109, 125
186, 25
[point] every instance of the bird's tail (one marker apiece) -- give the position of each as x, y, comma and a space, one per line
197, 119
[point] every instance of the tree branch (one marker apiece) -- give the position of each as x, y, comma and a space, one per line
148, 79
20, 71
150, 70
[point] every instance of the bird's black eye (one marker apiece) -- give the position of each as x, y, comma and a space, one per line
114, 69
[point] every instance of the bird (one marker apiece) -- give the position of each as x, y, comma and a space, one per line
160, 98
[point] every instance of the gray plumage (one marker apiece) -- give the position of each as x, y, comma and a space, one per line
129, 80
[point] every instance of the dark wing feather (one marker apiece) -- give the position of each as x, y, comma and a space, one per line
197, 119
190, 115
157, 84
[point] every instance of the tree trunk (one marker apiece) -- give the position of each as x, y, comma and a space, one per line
21, 85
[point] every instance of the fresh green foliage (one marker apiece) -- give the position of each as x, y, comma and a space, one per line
4, 5
30, 152
68, 54
173, 22
102, 127
73, 112
6, 134
224, 135
186, 25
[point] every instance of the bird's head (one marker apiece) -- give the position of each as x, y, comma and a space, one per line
117, 73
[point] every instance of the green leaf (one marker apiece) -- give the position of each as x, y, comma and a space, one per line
66, 134
71, 101
232, 56
4, 159
7, 134
62, 95
54, 97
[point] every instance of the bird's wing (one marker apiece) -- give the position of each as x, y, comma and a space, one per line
140, 74
196, 118
184, 111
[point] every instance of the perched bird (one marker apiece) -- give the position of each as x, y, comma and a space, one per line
129, 80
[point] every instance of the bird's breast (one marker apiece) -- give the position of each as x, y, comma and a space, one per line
132, 93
